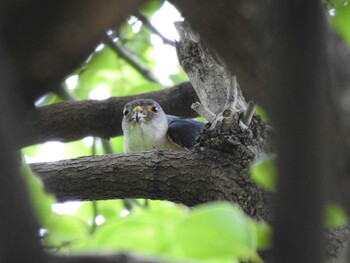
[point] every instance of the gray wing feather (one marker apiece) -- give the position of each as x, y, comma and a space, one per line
183, 132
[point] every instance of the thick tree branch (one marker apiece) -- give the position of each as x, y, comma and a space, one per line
190, 177
72, 120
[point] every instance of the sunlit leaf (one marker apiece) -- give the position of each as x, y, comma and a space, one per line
151, 7
40, 199
261, 112
143, 88
144, 230
179, 77
76, 149
110, 209
264, 234
341, 21
335, 216
217, 231
118, 144
264, 172
66, 227
31, 151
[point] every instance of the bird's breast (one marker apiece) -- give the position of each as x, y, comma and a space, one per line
144, 137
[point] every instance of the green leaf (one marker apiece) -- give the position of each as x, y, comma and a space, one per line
130, 235
40, 199
67, 227
179, 77
144, 231
264, 172
335, 216
110, 209
141, 88
216, 232
264, 234
261, 112
151, 7
76, 149
118, 144
32, 151
341, 21
101, 69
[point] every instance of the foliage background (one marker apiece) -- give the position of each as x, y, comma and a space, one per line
217, 232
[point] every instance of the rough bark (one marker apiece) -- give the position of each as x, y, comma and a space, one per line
241, 34
73, 120
190, 177
238, 32
209, 76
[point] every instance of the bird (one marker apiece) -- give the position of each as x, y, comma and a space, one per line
146, 127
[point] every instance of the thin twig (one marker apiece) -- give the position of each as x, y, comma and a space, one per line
132, 60
148, 24
94, 216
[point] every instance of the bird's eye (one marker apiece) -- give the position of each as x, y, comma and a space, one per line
154, 109
126, 112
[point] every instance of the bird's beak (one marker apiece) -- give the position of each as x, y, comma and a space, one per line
138, 113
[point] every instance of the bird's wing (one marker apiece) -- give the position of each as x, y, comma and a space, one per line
183, 132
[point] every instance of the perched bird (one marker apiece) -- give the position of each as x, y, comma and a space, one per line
147, 127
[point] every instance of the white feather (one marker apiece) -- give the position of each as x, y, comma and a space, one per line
146, 136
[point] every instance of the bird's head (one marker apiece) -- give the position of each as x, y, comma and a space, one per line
143, 112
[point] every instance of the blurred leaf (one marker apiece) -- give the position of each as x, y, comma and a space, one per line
335, 216
144, 230
264, 172
264, 234
179, 77
47, 99
101, 69
261, 112
66, 227
130, 235
110, 209
201, 119
151, 7
85, 212
141, 88
76, 149
31, 151
331, 4
40, 199
216, 231
341, 21
118, 144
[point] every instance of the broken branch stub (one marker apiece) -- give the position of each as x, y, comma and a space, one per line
233, 126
